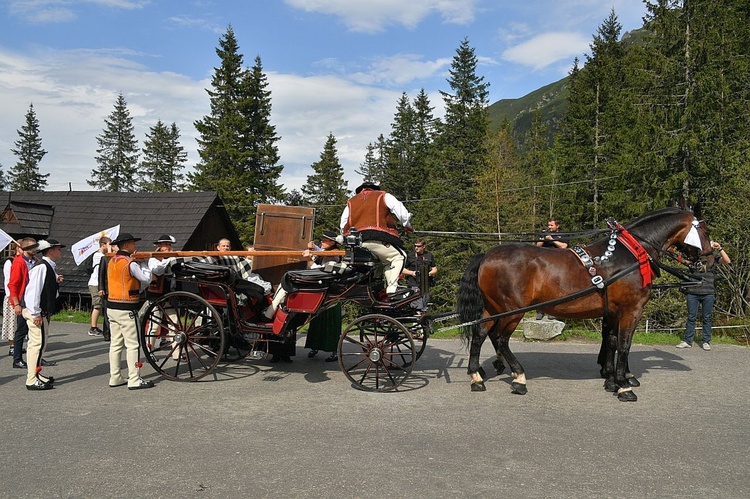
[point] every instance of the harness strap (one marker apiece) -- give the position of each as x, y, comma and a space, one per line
640, 253
587, 262
571, 297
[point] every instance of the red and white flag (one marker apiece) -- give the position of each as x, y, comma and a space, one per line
90, 245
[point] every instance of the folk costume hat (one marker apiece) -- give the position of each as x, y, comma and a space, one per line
328, 234
367, 185
166, 238
125, 237
46, 244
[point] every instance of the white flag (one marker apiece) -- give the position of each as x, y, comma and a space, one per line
693, 238
90, 245
5, 239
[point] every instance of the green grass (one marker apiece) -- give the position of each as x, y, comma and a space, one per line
75, 316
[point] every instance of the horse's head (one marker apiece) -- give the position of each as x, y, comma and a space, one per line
669, 227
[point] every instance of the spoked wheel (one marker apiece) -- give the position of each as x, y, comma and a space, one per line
182, 336
377, 353
420, 329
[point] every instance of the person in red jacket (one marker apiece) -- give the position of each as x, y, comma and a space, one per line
19, 278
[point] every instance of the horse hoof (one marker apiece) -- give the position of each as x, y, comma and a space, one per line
627, 397
610, 386
633, 382
518, 388
498, 365
478, 387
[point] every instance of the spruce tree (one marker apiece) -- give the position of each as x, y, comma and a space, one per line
24, 175
326, 188
237, 144
163, 159
458, 157
373, 169
117, 155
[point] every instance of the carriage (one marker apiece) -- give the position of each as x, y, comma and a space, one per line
213, 315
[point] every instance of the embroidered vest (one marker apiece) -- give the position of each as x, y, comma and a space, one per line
368, 211
122, 286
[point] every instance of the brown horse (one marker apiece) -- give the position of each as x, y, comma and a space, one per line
501, 284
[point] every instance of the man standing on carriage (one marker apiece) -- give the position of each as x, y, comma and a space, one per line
374, 213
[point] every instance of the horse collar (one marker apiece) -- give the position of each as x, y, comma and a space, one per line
587, 262
640, 253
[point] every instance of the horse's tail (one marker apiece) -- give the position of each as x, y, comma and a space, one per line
469, 303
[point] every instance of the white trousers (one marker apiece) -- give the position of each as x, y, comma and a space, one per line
124, 330
393, 259
35, 348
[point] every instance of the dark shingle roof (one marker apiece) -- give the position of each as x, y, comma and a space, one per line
78, 214
30, 218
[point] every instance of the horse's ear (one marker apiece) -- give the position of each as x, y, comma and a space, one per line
681, 203
697, 210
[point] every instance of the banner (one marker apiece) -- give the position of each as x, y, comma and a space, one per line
5, 239
90, 245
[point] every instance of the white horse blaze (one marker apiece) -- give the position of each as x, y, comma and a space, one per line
520, 378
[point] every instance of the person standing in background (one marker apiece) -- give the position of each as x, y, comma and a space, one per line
96, 294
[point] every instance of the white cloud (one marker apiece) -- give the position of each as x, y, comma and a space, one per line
400, 69
372, 16
546, 49
74, 91
184, 21
61, 11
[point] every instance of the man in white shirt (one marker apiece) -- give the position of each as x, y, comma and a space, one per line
375, 214
40, 300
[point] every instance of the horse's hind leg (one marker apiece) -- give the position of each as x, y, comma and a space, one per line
519, 382
498, 362
474, 369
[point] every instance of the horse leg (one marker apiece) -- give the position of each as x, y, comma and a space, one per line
609, 345
498, 362
474, 369
624, 391
518, 385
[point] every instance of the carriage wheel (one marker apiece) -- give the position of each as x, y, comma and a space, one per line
420, 330
376, 352
182, 336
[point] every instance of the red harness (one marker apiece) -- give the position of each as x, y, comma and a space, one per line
639, 252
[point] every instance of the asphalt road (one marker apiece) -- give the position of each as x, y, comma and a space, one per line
300, 430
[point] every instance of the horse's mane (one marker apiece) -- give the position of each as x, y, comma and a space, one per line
653, 216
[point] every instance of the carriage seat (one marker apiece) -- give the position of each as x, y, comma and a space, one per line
295, 280
201, 271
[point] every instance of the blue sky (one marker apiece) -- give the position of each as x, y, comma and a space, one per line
333, 66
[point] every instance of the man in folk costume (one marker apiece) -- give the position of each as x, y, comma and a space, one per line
374, 214
125, 278
19, 278
40, 297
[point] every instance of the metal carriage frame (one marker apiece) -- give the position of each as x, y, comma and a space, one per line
213, 317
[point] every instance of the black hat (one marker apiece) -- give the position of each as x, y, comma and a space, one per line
328, 234
367, 185
123, 237
46, 244
166, 238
